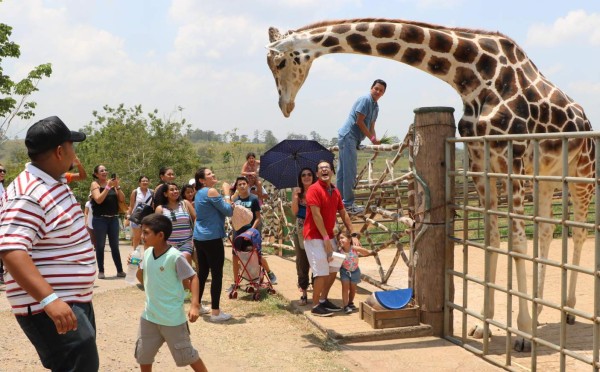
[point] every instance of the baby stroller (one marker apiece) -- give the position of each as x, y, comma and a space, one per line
247, 247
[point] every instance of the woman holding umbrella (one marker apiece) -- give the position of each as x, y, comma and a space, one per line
306, 177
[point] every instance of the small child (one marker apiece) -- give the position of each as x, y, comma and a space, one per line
349, 272
163, 271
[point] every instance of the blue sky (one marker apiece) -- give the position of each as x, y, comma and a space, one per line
209, 58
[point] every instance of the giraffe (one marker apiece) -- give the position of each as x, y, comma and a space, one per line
502, 91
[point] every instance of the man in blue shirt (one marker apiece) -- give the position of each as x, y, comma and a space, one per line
359, 124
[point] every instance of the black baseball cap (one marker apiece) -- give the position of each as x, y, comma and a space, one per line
49, 133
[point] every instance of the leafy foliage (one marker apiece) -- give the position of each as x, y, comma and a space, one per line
14, 95
131, 144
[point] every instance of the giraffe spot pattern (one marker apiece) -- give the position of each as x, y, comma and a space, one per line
505, 83
383, 30
412, 34
331, 41
359, 43
413, 56
519, 106
440, 42
362, 27
486, 66
388, 49
316, 39
340, 29
438, 65
465, 80
466, 51
508, 47
489, 45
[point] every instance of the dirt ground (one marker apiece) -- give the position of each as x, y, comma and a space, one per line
263, 335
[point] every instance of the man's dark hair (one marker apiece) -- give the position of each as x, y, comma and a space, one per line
379, 81
324, 161
158, 223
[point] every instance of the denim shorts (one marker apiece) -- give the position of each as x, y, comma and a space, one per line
351, 276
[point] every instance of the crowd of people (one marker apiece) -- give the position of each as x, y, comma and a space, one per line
51, 250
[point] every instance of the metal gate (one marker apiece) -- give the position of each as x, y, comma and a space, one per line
555, 345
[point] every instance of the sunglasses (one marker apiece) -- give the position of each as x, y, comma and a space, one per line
173, 216
2, 170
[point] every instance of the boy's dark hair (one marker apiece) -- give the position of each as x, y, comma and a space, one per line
250, 154
158, 223
379, 81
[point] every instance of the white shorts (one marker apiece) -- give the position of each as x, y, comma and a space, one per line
317, 258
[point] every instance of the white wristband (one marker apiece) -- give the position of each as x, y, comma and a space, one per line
46, 301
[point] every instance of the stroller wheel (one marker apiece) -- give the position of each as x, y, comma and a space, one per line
256, 296
272, 291
249, 289
233, 295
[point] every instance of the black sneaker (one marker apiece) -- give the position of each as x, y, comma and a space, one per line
331, 306
351, 305
348, 310
320, 310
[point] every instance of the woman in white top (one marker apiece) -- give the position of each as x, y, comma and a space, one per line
141, 195
88, 214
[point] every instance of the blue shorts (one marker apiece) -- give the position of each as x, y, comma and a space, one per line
350, 276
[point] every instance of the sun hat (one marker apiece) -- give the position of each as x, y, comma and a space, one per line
241, 217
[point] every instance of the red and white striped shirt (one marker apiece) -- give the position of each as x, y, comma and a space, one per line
40, 215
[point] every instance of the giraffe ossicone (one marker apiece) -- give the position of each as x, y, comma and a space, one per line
502, 91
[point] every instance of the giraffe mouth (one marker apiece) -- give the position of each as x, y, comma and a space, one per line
286, 108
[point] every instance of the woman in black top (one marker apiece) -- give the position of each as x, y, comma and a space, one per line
106, 194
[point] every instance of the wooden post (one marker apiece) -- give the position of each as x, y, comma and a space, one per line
431, 256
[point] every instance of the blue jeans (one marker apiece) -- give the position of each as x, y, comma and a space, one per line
75, 350
346, 172
107, 226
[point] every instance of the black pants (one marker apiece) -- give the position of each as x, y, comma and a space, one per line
73, 351
302, 265
211, 257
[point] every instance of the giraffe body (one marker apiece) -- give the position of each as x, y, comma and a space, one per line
502, 91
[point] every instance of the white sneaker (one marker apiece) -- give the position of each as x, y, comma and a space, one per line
222, 317
204, 310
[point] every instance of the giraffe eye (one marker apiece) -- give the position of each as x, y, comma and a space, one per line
281, 65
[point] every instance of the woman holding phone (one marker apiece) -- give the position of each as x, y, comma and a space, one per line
106, 194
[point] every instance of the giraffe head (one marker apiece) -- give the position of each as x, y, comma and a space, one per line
289, 66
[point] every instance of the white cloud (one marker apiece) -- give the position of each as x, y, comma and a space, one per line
576, 27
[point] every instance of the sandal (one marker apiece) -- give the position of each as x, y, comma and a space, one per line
303, 300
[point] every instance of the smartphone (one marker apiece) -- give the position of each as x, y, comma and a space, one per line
113, 176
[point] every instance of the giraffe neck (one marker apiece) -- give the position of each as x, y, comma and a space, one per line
469, 61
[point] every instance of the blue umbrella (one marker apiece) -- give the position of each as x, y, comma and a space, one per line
282, 163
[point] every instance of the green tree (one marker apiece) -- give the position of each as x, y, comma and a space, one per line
131, 143
269, 139
14, 95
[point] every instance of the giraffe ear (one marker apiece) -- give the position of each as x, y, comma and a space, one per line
274, 34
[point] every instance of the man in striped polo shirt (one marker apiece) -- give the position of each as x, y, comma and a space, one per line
48, 253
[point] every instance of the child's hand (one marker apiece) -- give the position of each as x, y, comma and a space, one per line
193, 313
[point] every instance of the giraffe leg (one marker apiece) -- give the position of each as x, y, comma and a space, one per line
545, 233
477, 330
580, 196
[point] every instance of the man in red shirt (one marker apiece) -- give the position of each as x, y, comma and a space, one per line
324, 202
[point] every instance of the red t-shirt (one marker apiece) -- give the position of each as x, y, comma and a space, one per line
329, 202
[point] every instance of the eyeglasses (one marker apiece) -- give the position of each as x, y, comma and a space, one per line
173, 216
2, 170
306, 174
